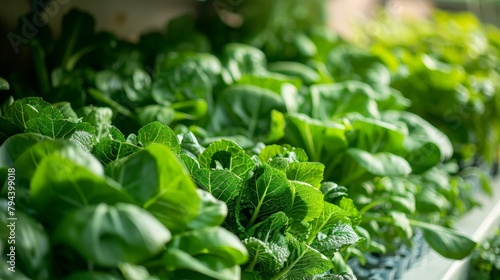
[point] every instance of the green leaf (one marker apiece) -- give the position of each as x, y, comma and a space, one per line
108, 150
329, 218
206, 62
108, 235
378, 136
203, 267
16, 145
76, 35
132, 272
212, 212
4, 85
429, 200
85, 140
66, 110
222, 184
159, 182
248, 110
296, 69
213, 241
322, 141
60, 185
56, 128
182, 84
379, 164
8, 129
271, 151
307, 202
23, 110
267, 244
307, 172
331, 101
353, 214
333, 192
303, 261
269, 193
242, 59
271, 81
159, 133
137, 86
99, 117
401, 223
447, 242
151, 113
263, 255
427, 146
340, 236
229, 156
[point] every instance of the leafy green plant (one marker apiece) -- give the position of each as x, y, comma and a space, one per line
451, 76
485, 260
264, 170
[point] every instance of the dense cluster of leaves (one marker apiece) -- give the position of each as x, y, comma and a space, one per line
485, 260
252, 180
448, 67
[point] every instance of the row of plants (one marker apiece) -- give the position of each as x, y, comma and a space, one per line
276, 165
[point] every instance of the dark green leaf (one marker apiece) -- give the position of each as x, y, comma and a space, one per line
447, 242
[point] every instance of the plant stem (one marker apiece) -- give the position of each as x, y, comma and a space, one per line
252, 264
370, 206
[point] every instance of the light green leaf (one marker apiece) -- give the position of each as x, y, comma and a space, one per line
23, 110
307, 204
347, 205
380, 164
60, 185
212, 241
267, 244
228, 155
159, 133
4, 85
401, 223
340, 236
287, 151
331, 101
16, 145
204, 266
303, 261
269, 193
108, 150
133, 272
56, 128
329, 218
99, 117
150, 113
307, 172
222, 184
212, 212
322, 141
159, 182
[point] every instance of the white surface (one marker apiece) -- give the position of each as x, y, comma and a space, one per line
478, 224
